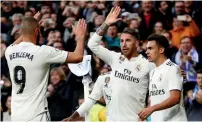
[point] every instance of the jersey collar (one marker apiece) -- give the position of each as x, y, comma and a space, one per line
163, 64
135, 58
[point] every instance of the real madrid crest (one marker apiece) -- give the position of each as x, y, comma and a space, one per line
107, 79
138, 67
121, 59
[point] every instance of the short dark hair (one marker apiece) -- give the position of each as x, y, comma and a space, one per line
132, 32
199, 71
160, 41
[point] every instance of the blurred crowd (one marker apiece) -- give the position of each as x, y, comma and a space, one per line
179, 21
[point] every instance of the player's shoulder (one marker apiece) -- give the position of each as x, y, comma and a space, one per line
9, 49
171, 66
104, 78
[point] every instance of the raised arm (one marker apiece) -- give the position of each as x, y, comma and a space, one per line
93, 43
80, 33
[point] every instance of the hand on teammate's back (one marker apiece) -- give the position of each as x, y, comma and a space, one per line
112, 17
80, 30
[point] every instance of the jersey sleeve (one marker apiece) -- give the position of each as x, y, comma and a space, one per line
85, 107
96, 94
53, 55
175, 79
103, 53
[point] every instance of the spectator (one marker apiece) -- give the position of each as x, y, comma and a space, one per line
134, 6
158, 28
68, 33
58, 36
17, 20
193, 100
134, 24
45, 9
54, 17
180, 30
111, 37
187, 58
58, 45
164, 9
148, 18
7, 114
179, 8
93, 26
29, 13
172, 49
188, 7
6, 9
59, 101
124, 23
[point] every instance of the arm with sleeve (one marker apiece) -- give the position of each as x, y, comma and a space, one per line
175, 78
93, 97
54, 55
103, 53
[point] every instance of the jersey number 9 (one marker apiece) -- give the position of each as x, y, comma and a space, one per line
20, 78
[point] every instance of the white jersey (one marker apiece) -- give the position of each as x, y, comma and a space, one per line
163, 79
29, 66
102, 88
129, 80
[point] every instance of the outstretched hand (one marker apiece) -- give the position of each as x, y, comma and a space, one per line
37, 17
80, 30
112, 17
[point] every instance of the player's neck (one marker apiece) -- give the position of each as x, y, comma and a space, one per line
135, 54
31, 39
160, 60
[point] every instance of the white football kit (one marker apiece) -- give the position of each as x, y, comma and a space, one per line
29, 66
102, 88
129, 82
163, 79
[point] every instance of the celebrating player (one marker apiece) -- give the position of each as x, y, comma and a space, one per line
165, 88
101, 88
29, 70
130, 72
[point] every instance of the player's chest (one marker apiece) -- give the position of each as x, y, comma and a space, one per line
129, 72
158, 80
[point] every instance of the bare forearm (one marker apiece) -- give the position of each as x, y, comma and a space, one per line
79, 51
165, 104
75, 115
100, 51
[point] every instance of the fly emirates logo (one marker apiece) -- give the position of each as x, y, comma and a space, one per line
156, 91
126, 76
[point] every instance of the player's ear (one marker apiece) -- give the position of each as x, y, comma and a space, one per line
161, 50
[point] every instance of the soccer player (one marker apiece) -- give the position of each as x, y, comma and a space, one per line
166, 82
130, 72
29, 70
102, 87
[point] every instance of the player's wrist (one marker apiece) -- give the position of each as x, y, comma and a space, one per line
102, 29
75, 115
